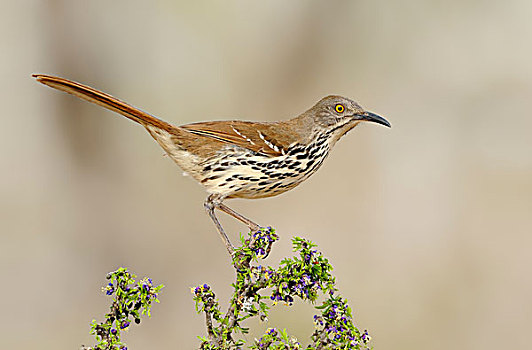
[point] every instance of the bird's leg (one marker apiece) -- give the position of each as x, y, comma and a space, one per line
210, 204
252, 226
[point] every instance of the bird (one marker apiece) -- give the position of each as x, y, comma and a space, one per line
241, 159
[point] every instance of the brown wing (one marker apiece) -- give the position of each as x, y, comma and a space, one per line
270, 139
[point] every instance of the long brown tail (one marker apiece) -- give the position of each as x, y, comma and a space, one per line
101, 98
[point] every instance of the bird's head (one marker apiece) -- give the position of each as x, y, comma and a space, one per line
337, 115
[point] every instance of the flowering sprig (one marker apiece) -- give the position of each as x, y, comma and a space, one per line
305, 276
274, 339
335, 328
130, 301
257, 246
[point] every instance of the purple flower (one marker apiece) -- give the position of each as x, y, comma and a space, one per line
124, 325
109, 289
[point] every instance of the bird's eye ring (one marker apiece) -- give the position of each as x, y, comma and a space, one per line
339, 108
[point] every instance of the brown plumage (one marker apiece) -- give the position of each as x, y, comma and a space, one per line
241, 159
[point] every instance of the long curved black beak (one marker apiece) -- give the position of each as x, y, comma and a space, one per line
372, 117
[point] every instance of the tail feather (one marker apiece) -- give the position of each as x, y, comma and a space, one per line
101, 98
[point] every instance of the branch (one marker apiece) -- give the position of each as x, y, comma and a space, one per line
305, 277
131, 300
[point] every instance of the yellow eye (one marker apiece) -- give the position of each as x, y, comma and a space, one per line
339, 108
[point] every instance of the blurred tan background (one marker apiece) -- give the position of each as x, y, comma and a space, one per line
428, 224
